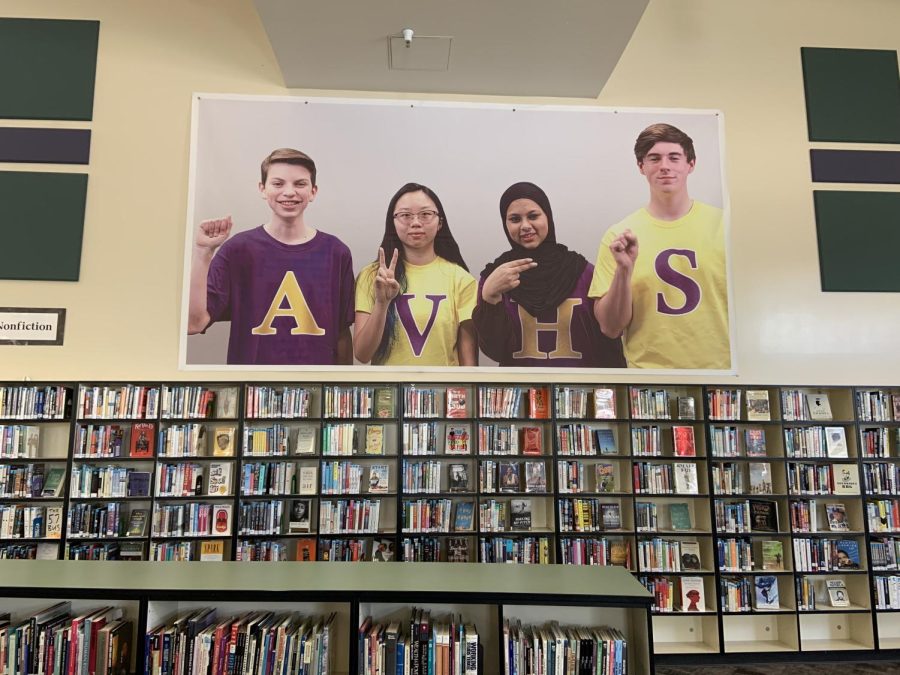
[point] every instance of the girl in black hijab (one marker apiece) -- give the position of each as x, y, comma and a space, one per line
533, 308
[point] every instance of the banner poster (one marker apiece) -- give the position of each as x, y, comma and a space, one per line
422, 236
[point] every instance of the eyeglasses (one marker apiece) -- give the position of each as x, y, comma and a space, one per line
424, 217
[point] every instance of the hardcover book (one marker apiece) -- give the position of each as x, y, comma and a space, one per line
226, 403
223, 445
686, 408
382, 550
758, 405
464, 516
459, 478
836, 442
755, 442
606, 441
456, 440
680, 516
604, 403
837, 592
520, 514
138, 484
384, 403
690, 556
539, 403
219, 479
846, 479
456, 402
306, 550
532, 440
766, 587
509, 477
457, 549
301, 515
606, 477
772, 555
684, 441
307, 485
692, 598
142, 439
760, 478
221, 519
763, 516
305, 441
611, 515
847, 554
535, 477
685, 478
54, 482
374, 439
819, 407
620, 553
212, 551
837, 517
379, 478
137, 523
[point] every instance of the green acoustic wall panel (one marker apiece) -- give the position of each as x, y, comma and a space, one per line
41, 224
859, 240
47, 69
852, 95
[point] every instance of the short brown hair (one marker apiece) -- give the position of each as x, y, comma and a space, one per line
663, 133
288, 156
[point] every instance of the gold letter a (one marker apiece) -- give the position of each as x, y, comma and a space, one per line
297, 308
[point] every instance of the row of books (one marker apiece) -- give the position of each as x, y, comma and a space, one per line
815, 442
582, 439
199, 641
749, 515
91, 481
496, 476
287, 402
55, 640
573, 403
31, 480
825, 555
881, 478
128, 401
347, 478
573, 477
358, 402
33, 403
277, 478
424, 645
588, 515
666, 555
822, 479
418, 402
743, 594
19, 441
676, 478
519, 550
21, 521
595, 551
563, 650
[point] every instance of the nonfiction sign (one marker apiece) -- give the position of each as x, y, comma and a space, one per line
32, 326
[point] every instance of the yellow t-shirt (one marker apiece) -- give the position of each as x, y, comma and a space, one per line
439, 296
679, 290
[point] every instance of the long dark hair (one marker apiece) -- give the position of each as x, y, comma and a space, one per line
445, 246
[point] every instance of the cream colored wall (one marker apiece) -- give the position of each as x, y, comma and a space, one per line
740, 57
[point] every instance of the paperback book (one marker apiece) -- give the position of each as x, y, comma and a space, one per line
836, 442
847, 554
686, 408
464, 517
837, 517
219, 484
300, 515
509, 477
760, 478
605, 441
766, 587
520, 514
535, 477
374, 439
457, 549
459, 478
846, 479
456, 402
685, 478
379, 478
692, 597
758, 405
837, 593
611, 515
684, 441
456, 440
755, 442
773, 555
382, 550
763, 516
690, 556
819, 407
305, 441
680, 516
307, 485
223, 442
604, 403
606, 477
143, 438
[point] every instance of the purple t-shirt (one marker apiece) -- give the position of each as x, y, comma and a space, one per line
287, 302
565, 337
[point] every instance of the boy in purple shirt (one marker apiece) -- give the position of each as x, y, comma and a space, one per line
286, 287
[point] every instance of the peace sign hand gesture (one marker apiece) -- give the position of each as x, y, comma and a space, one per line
504, 278
386, 286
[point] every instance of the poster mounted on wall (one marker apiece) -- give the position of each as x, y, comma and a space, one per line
425, 236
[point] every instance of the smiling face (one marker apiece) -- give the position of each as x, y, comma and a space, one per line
526, 223
288, 190
666, 167
409, 213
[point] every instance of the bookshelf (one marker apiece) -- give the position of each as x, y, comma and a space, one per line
662, 480
152, 594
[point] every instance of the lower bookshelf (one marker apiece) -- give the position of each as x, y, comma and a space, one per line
355, 597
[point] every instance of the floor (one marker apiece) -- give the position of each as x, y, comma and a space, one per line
885, 668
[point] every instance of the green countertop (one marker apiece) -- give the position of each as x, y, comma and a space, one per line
320, 577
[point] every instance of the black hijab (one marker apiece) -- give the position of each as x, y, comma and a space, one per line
558, 269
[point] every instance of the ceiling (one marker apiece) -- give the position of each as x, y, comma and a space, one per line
564, 48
